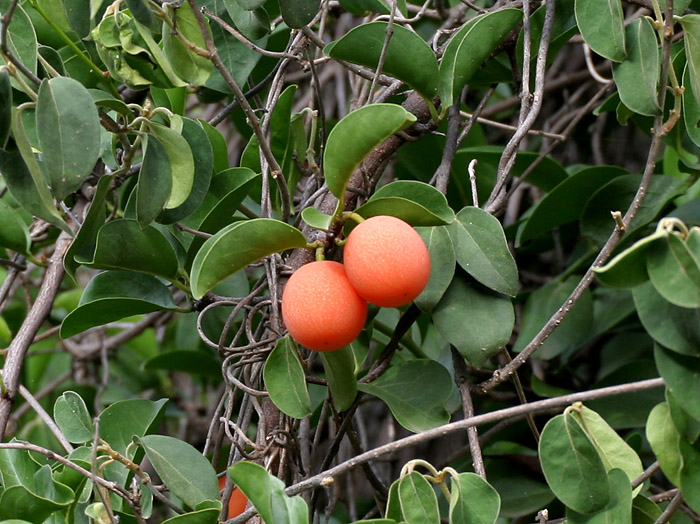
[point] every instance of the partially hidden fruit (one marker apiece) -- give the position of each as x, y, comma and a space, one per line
386, 261
237, 502
320, 308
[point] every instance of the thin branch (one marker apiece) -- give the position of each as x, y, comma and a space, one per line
385, 47
46, 418
672, 507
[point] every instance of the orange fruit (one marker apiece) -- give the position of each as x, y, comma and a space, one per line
320, 308
237, 502
386, 261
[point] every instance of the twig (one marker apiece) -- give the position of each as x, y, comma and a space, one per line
46, 418
472, 182
672, 507
385, 47
442, 174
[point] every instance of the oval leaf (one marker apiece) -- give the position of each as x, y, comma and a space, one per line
355, 136
316, 219
674, 272
618, 510
680, 373
14, 233
664, 439
5, 107
691, 27
222, 255
71, 415
285, 380
419, 504
473, 499
442, 266
188, 65
340, 374
601, 23
629, 267
181, 163
155, 181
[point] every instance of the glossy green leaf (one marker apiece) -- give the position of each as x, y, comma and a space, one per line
355, 136
618, 510
18, 502
572, 466
566, 201
252, 23
690, 473
221, 255
442, 266
416, 409
393, 506
691, 109
14, 233
285, 380
266, 493
185, 361
340, 374
123, 244
155, 181
182, 165
664, 440
17, 467
407, 57
680, 373
469, 48
674, 272
691, 27
218, 145
72, 416
113, 295
473, 500
476, 321
297, 13
417, 203
5, 108
601, 23
418, 501
250, 4
481, 250
644, 511
687, 426
573, 331
629, 267
184, 470
21, 40
316, 219
637, 77
126, 418
674, 327
68, 128
203, 516
188, 65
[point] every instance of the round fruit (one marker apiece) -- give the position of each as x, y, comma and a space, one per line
237, 502
386, 261
320, 308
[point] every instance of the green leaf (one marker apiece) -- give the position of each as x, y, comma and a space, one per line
297, 13
637, 77
618, 510
186, 361
674, 272
188, 65
123, 244
203, 516
573, 331
68, 128
664, 440
5, 108
155, 181
184, 470
393, 506
473, 500
250, 4
476, 321
469, 48
285, 380
565, 202
572, 466
407, 57
482, 251
14, 233
601, 23
687, 426
126, 418
316, 219
218, 145
17, 467
691, 27
140, 11
181, 163
674, 327
21, 40
416, 409
362, 7
417, 203
355, 136
71, 415
690, 473
253, 24
266, 493
691, 109
340, 374
442, 266
419, 504
113, 295
680, 373
222, 254
20, 503
629, 267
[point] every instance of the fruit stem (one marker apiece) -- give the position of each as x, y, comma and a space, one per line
320, 254
351, 215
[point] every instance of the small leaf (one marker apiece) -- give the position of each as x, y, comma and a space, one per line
601, 23
442, 266
221, 255
416, 409
340, 374
21, 40
297, 13
316, 219
155, 181
629, 267
188, 65
181, 164
572, 466
618, 510
481, 250
476, 321
417, 203
71, 415
285, 380
473, 500
408, 57
691, 27
680, 373
419, 504
674, 272
469, 48
14, 233
691, 108
5, 107
114, 295
664, 440
355, 136
184, 470
637, 77
68, 129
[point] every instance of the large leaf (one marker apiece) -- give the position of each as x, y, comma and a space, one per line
285, 380
601, 23
476, 321
114, 295
68, 129
416, 409
238, 245
637, 77
674, 272
407, 57
355, 136
419, 504
481, 250
71, 415
469, 48
680, 373
473, 500
442, 266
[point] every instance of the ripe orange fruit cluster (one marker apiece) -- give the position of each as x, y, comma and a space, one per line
386, 263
